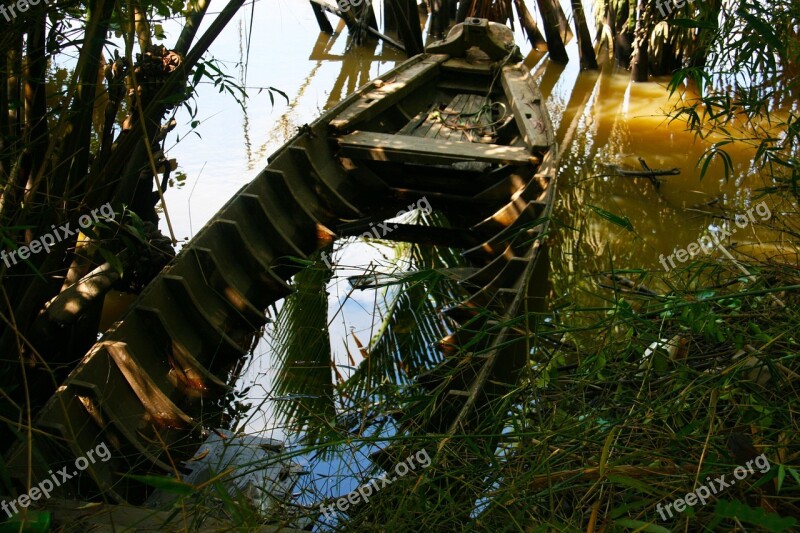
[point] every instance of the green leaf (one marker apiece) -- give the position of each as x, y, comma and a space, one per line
762, 28
112, 259
713, 152
794, 474
280, 93
90, 232
689, 428
230, 505
707, 158
300, 260
623, 222
176, 98
756, 516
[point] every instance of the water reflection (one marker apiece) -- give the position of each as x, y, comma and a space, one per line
620, 124
356, 63
610, 123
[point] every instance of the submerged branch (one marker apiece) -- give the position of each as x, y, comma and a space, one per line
645, 173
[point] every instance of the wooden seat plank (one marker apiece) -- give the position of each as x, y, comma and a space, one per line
463, 66
403, 148
156, 403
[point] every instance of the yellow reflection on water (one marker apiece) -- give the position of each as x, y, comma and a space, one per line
619, 125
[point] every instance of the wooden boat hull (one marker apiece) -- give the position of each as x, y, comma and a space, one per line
163, 372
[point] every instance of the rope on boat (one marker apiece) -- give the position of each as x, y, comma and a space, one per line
486, 107
483, 109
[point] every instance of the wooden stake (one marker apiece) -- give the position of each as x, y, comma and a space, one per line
640, 64
389, 21
322, 20
585, 49
555, 46
527, 21
407, 17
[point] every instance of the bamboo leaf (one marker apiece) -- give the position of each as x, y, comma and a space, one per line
755, 516
762, 28
795, 475
623, 222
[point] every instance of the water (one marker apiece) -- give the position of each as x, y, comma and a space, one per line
621, 123
609, 122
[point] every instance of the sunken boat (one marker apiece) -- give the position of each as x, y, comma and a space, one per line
463, 125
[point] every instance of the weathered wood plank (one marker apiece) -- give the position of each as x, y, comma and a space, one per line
527, 105
322, 20
403, 148
465, 85
436, 124
158, 405
462, 65
384, 93
427, 124
459, 107
456, 107
477, 124
413, 124
442, 129
458, 113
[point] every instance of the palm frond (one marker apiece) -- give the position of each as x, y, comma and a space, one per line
304, 386
402, 347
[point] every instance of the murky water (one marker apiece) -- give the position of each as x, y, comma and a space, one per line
620, 124
601, 120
